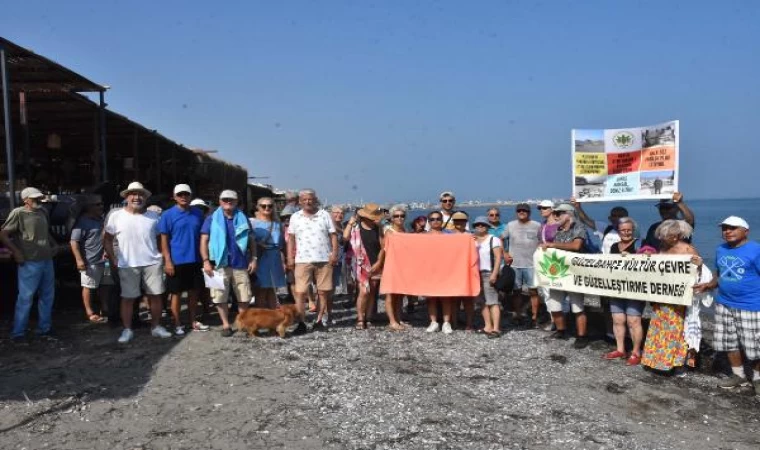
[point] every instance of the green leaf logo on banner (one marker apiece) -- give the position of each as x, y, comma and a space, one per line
623, 139
553, 267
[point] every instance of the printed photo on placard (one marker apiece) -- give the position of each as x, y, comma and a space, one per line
631, 163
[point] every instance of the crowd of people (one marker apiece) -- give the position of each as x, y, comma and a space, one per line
311, 254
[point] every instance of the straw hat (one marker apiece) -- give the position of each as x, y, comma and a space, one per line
371, 211
135, 186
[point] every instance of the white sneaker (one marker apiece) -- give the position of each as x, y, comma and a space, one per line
447, 328
179, 331
432, 328
126, 336
198, 326
161, 332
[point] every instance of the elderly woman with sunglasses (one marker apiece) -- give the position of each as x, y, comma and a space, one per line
393, 301
435, 221
270, 241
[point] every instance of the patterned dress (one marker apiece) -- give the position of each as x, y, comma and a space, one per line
665, 347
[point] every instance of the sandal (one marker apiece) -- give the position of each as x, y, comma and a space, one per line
94, 318
312, 308
494, 335
614, 355
360, 326
396, 328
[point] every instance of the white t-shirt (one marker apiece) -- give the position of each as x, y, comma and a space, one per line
609, 239
312, 235
137, 235
484, 252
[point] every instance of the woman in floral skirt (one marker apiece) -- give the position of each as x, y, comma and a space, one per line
665, 348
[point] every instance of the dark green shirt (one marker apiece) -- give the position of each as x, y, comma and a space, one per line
30, 232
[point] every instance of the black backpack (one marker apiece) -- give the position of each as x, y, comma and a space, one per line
505, 281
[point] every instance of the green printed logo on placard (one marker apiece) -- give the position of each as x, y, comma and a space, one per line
624, 139
553, 267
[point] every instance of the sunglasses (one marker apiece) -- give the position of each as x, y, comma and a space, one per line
435, 219
727, 228
494, 215
559, 213
447, 200
544, 207
399, 216
265, 206
182, 194
523, 210
228, 200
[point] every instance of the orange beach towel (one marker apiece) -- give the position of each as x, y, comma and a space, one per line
433, 265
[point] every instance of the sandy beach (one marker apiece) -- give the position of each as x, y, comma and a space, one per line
353, 389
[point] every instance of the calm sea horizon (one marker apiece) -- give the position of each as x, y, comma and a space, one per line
708, 215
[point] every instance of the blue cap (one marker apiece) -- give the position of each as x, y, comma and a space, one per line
483, 220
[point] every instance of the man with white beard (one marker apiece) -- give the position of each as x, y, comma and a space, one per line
138, 258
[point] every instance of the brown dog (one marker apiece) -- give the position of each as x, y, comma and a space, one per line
253, 319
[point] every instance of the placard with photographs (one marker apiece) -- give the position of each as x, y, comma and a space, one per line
625, 163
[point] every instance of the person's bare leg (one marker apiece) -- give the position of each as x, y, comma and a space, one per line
192, 305
581, 322
312, 299
534, 304
156, 307
391, 311
517, 305
495, 317
103, 293
224, 312
398, 304
361, 304
469, 312
126, 307
559, 320
488, 324
175, 306
325, 303
637, 333
432, 307
87, 302
448, 309
735, 359
618, 328
300, 298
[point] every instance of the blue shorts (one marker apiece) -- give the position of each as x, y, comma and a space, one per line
627, 307
524, 278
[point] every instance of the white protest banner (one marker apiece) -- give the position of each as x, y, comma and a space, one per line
626, 163
655, 278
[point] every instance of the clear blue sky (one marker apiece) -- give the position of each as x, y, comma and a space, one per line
392, 100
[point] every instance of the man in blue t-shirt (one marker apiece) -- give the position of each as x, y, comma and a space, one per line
229, 248
180, 229
737, 309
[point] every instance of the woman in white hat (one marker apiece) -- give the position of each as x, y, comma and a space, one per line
365, 236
